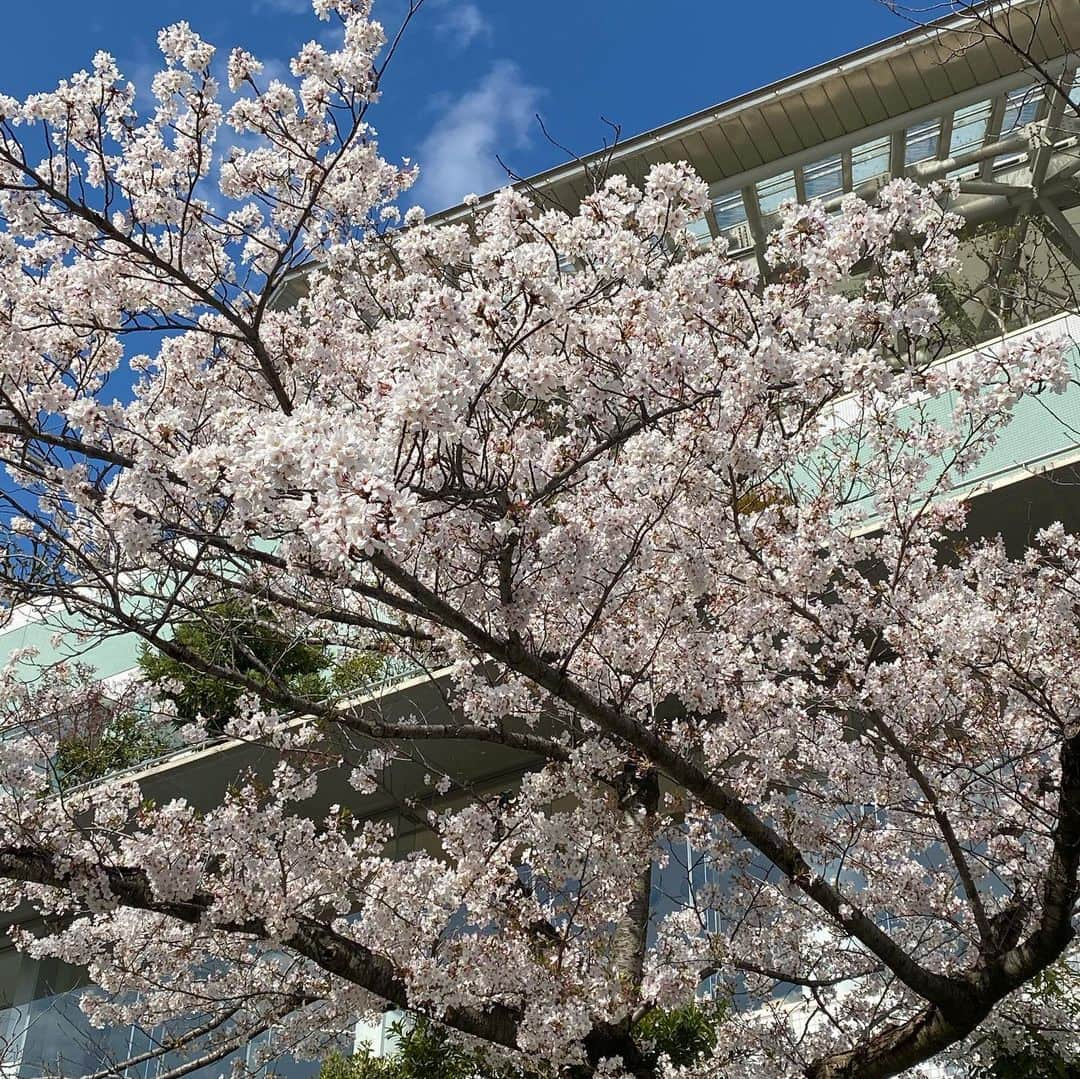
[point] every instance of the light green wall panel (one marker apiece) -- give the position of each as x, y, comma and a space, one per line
109, 656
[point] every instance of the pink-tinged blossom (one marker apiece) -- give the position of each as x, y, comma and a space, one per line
676, 530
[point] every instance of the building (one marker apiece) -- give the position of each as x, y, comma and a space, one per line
940, 102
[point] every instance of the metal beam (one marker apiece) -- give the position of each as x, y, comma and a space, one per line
1049, 130
997, 307
757, 227
993, 131
945, 135
1067, 171
988, 187
897, 153
710, 220
1063, 227
931, 170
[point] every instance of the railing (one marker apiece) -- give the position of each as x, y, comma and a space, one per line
11, 727
370, 691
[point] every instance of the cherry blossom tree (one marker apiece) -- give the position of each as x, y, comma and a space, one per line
688, 537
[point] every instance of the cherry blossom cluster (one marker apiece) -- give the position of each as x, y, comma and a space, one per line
679, 538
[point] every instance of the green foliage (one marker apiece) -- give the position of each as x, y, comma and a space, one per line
1037, 1059
124, 741
356, 672
1034, 1056
234, 637
685, 1035
424, 1051
339, 1066
427, 1051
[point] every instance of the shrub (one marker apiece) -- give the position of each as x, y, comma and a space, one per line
124, 741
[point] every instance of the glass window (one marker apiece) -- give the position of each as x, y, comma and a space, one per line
699, 229
965, 172
59, 1039
1021, 108
774, 191
729, 211
969, 127
869, 161
921, 143
824, 178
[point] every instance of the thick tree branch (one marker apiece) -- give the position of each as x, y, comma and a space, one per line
783, 854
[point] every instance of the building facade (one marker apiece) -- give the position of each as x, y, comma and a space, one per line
943, 102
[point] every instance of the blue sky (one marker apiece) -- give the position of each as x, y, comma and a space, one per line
472, 74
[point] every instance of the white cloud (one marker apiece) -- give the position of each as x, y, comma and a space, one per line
458, 155
464, 23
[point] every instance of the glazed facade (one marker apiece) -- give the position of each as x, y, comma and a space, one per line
927, 105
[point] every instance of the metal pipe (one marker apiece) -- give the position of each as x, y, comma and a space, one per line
988, 187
